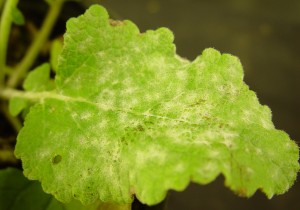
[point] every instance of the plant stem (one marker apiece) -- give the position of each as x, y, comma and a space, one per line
5, 26
37, 44
9, 93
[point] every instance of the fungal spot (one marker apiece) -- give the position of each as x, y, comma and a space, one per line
52, 109
149, 122
89, 171
140, 128
221, 125
198, 103
242, 192
124, 141
56, 159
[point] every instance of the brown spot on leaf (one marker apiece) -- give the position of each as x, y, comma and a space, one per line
140, 128
242, 192
56, 159
115, 22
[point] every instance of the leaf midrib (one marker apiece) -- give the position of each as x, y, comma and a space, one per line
40, 97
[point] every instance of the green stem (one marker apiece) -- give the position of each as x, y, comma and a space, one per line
35, 97
9, 93
5, 26
37, 44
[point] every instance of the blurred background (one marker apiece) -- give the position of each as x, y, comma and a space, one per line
264, 34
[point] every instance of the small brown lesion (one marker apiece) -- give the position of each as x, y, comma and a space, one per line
115, 22
89, 171
242, 192
52, 109
140, 128
56, 159
199, 102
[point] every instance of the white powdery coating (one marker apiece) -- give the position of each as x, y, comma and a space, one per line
128, 112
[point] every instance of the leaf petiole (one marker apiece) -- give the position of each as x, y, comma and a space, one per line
9, 93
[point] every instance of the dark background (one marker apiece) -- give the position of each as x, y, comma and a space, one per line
265, 35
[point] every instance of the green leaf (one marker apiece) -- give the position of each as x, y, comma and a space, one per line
17, 17
17, 192
16, 105
129, 116
56, 48
37, 80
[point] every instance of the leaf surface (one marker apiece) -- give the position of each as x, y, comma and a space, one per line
129, 116
55, 50
39, 79
17, 16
